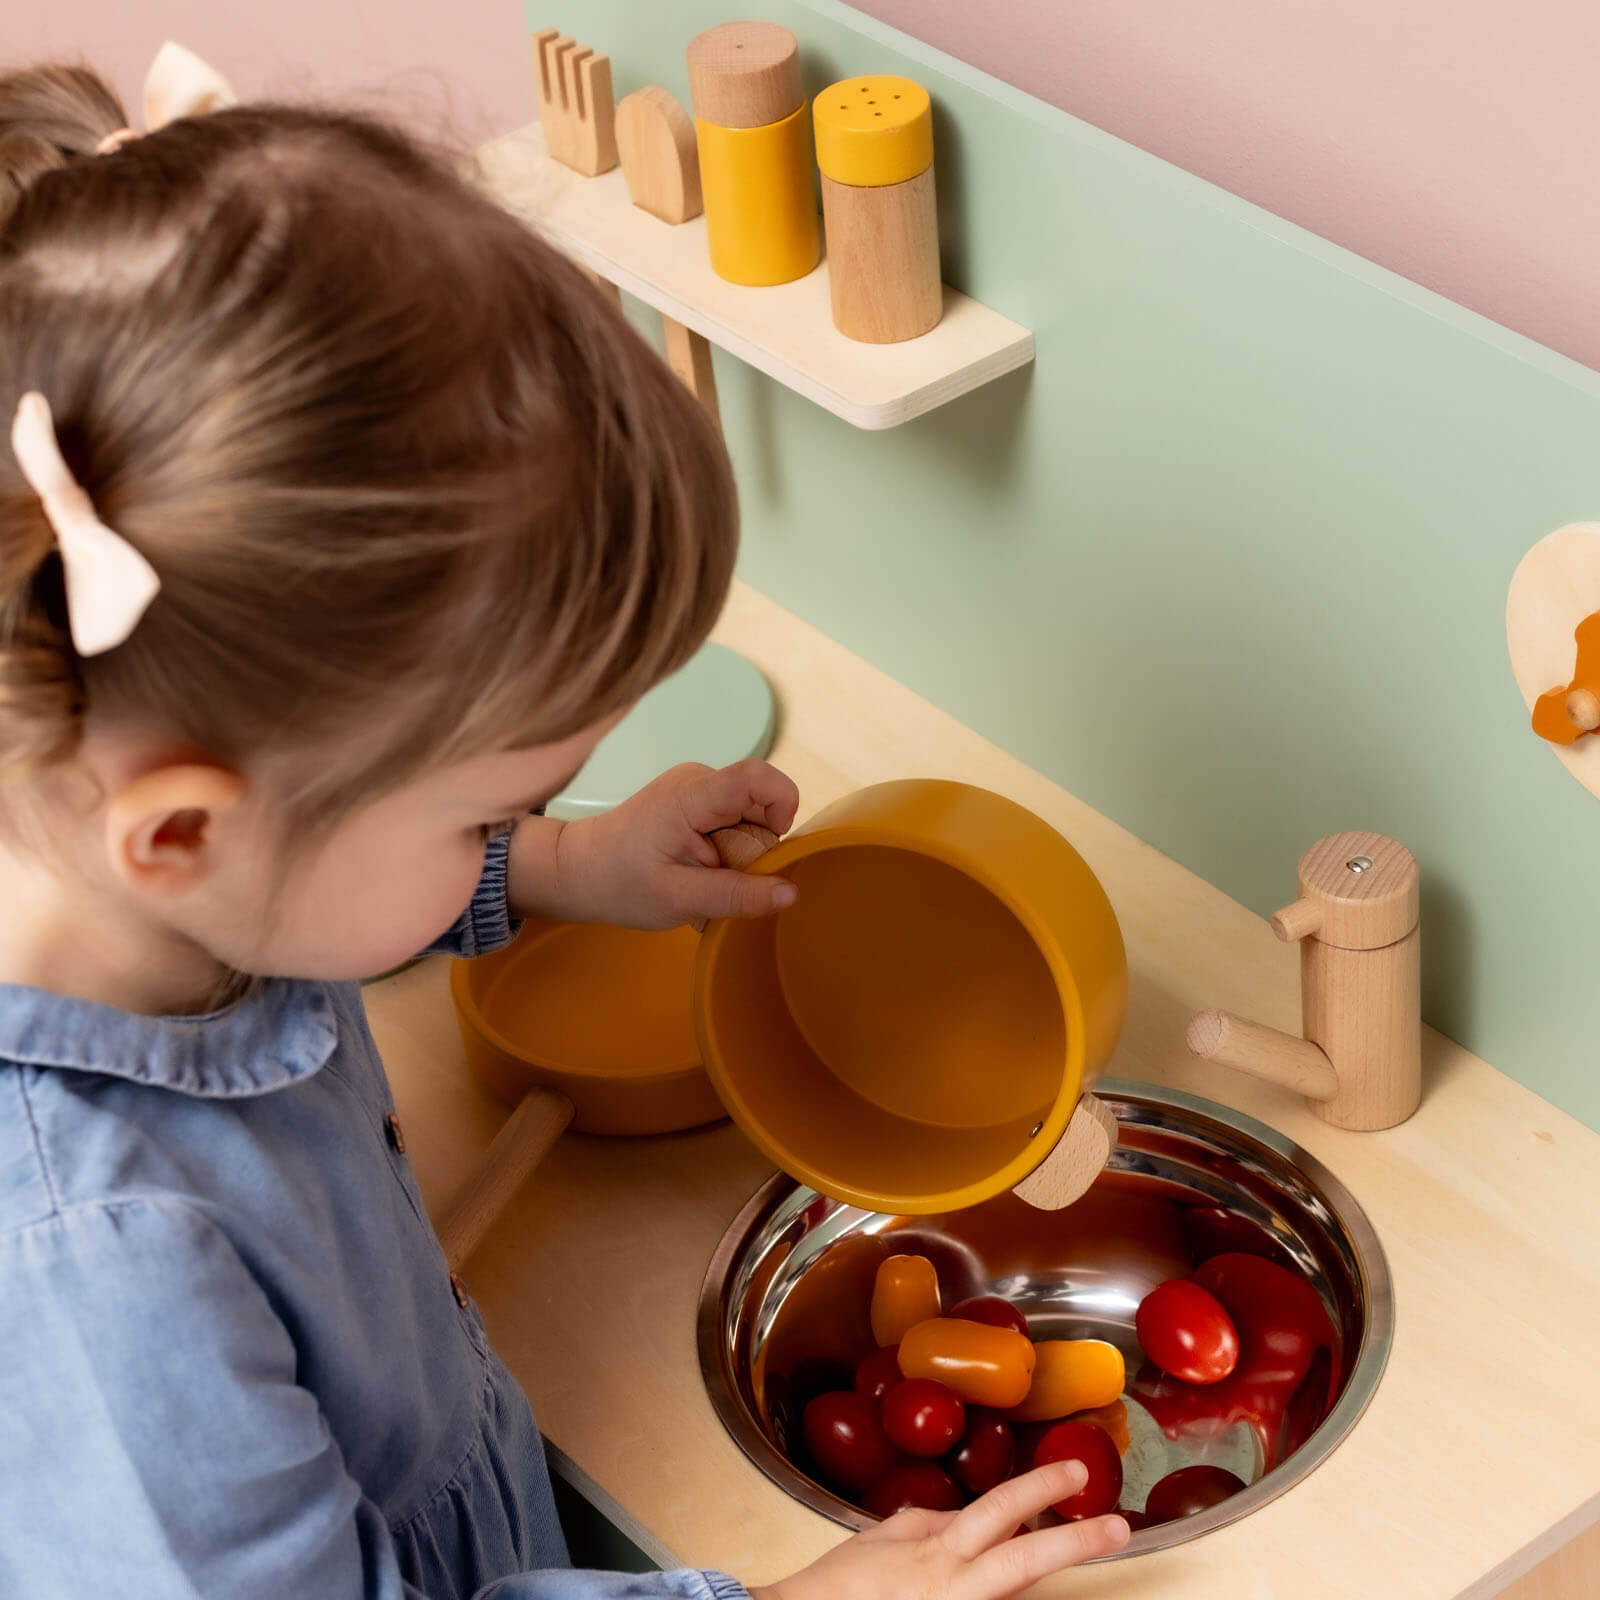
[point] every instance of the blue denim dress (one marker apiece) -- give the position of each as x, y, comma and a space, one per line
232, 1360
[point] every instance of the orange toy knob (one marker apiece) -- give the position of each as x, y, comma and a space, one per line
1567, 712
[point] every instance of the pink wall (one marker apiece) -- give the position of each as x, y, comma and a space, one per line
1447, 139
1451, 140
462, 66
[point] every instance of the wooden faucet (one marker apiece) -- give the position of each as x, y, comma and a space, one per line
1360, 1062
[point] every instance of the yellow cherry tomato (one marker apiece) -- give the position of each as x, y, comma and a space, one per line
905, 1292
986, 1366
1071, 1375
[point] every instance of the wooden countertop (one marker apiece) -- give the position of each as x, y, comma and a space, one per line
1481, 1451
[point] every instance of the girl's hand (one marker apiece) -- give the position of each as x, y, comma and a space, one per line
647, 863
960, 1555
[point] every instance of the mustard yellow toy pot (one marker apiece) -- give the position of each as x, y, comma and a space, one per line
913, 1035
875, 149
755, 153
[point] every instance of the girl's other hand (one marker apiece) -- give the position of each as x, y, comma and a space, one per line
960, 1555
648, 862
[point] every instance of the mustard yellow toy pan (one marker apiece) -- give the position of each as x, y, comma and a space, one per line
586, 1026
914, 1035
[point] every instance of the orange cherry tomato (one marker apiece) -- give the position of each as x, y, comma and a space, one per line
905, 1292
985, 1366
1071, 1375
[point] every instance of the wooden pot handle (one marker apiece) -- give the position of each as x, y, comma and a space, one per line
522, 1143
1066, 1173
740, 846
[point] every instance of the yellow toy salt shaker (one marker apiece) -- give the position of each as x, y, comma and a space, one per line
875, 148
755, 153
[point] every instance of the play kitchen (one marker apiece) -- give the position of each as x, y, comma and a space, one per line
914, 1041
934, 1175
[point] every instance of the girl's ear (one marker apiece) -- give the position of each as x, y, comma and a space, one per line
162, 828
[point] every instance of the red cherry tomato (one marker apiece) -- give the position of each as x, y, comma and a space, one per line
987, 1453
1281, 1318
1189, 1491
1286, 1340
879, 1372
1186, 1332
846, 1440
990, 1308
1083, 1441
923, 1417
788, 1395
1027, 1436
1114, 1419
913, 1483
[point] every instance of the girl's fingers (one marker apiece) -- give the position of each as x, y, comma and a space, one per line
699, 894
915, 1522
749, 790
1010, 1568
996, 1515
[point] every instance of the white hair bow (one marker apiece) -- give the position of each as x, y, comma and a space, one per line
179, 84
109, 584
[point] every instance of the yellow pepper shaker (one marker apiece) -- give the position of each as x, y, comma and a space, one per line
755, 153
875, 149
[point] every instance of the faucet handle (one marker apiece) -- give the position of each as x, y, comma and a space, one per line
1358, 891
1298, 921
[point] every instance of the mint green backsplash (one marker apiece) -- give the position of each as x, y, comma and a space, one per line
1230, 560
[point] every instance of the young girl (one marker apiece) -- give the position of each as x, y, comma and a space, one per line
341, 519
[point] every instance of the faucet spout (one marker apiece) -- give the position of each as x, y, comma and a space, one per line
1263, 1052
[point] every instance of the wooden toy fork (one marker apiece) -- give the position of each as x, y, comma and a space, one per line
575, 104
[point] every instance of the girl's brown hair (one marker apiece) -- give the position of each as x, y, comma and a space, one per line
403, 472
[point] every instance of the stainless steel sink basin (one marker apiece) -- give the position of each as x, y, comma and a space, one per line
787, 1289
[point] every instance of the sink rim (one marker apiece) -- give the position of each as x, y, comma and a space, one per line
1365, 1371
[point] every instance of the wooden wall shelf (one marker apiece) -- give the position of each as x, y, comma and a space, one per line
786, 332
